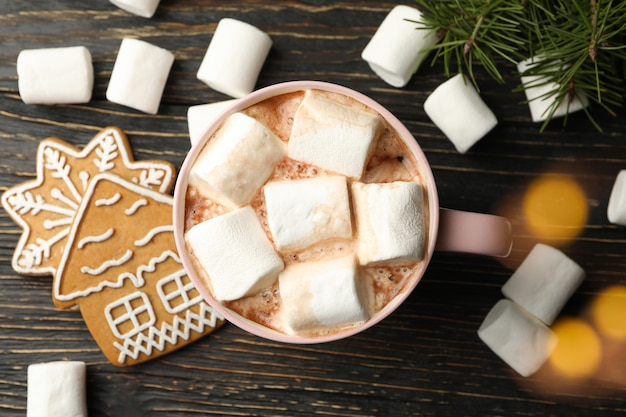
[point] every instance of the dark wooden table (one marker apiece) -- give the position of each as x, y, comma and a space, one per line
423, 360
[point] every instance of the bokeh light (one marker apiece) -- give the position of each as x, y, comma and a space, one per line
555, 208
578, 352
609, 312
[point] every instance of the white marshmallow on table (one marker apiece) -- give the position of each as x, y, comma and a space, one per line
389, 219
57, 389
323, 293
237, 161
537, 91
143, 8
519, 339
55, 75
458, 111
303, 212
235, 254
544, 282
616, 211
139, 75
399, 46
199, 117
333, 136
234, 58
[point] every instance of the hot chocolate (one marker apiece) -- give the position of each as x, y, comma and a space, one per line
341, 203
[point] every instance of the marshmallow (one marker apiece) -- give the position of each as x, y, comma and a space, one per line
538, 91
399, 46
616, 210
237, 161
520, 340
303, 212
233, 61
235, 254
457, 109
55, 75
544, 282
57, 389
143, 8
200, 117
139, 75
333, 136
322, 293
389, 221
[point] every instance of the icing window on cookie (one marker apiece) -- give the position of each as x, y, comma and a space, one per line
130, 315
178, 293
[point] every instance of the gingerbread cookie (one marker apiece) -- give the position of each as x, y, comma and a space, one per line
45, 207
121, 267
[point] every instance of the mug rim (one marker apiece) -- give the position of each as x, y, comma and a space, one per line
180, 191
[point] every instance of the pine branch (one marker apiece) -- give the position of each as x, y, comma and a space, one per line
581, 43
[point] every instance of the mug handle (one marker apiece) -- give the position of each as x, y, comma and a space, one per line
468, 232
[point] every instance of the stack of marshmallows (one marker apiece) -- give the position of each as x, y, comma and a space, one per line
517, 328
236, 255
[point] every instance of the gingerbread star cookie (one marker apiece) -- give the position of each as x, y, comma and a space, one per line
45, 207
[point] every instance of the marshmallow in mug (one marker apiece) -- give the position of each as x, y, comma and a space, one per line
57, 389
378, 208
234, 251
139, 75
303, 212
143, 8
518, 338
544, 282
537, 91
616, 211
333, 136
457, 109
323, 294
399, 46
200, 117
234, 58
237, 161
55, 75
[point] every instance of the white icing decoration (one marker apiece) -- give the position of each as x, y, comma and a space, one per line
136, 206
180, 293
138, 278
84, 179
108, 201
34, 253
135, 307
96, 239
34, 204
108, 264
151, 177
51, 224
152, 233
58, 194
107, 152
57, 163
168, 333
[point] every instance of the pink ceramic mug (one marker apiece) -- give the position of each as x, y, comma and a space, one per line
448, 230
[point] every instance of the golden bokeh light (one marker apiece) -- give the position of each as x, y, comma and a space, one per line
578, 352
609, 312
555, 208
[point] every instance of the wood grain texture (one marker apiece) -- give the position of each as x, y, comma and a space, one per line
426, 358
